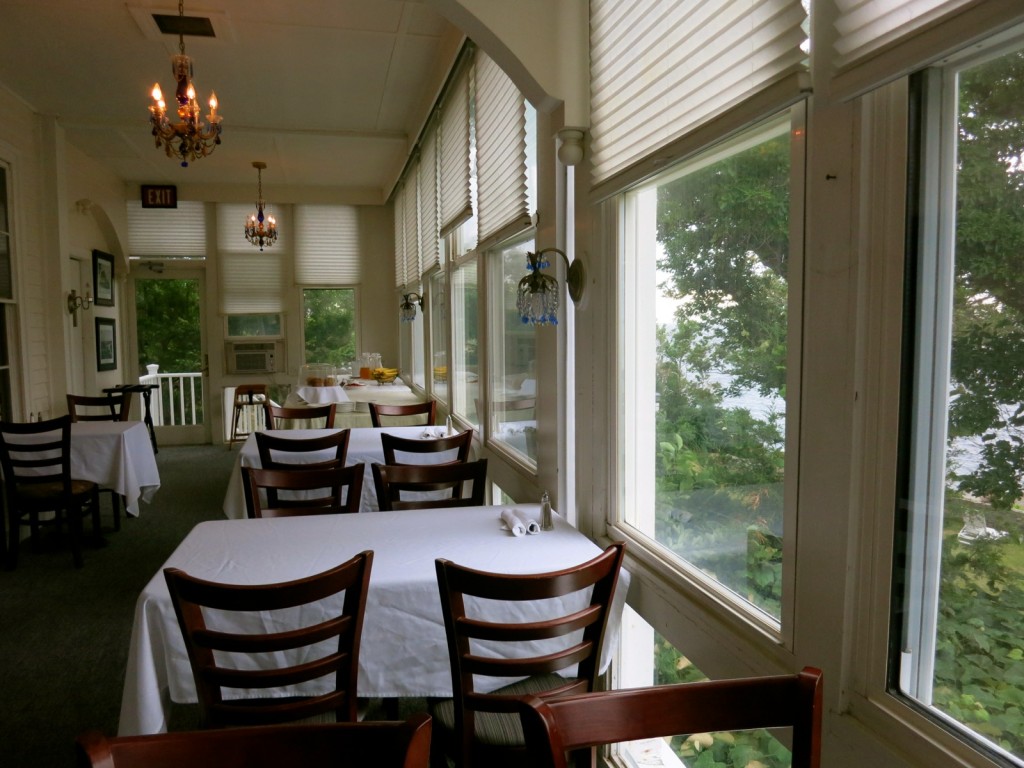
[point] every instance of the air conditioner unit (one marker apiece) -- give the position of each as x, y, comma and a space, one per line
254, 356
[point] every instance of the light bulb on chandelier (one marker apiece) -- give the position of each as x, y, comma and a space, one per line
260, 228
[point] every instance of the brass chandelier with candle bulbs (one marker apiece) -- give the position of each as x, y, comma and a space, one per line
190, 137
260, 229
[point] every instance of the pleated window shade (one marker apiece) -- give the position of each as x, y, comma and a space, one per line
455, 203
411, 213
398, 206
430, 252
880, 40
327, 247
661, 69
500, 153
168, 232
251, 283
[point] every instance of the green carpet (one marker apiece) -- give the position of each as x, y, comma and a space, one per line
64, 633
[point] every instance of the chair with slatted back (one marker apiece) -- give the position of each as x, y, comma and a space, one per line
111, 407
478, 726
427, 409
247, 411
317, 452
331, 490
284, 417
394, 446
36, 461
401, 744
426, 486
553, 727
325, 647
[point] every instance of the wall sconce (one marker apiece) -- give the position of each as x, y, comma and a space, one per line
76, 302
407, 310
537, 299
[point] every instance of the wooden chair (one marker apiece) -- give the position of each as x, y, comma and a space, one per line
444, 482
403, 744
277, 452
36, 460
277, 415
208, 647
248, 403
343, 487
392, 445
475, 728
112, 407
567, 723
428, 408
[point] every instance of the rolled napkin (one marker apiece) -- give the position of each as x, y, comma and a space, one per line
532, 526
512, 522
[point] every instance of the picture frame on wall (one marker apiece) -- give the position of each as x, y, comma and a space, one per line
103, 278
106, 344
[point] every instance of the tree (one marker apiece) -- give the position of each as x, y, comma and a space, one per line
167, 319
329, 325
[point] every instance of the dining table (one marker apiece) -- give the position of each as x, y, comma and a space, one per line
116, 455
364, 447
352, 401
403, 649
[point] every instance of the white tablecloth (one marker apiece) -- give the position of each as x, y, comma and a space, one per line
116, 455
364, 447
403, 649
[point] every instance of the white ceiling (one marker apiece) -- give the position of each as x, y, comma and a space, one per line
329, 93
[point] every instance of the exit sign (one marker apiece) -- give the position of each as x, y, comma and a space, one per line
159, 196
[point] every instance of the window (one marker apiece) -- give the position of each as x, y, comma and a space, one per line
465, 343
253, 325
704, 350
329, 330
438, 307
6, 292
513, 355
957, 631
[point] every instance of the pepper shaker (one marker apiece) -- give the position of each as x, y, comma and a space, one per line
546, 523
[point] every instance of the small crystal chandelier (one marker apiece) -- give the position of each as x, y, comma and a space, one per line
191, 137
537, 300
259, 229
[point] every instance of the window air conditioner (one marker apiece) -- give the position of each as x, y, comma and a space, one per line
253, 356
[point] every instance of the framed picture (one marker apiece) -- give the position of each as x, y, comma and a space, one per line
106, 344
103, 278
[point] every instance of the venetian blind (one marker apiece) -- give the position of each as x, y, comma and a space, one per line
167, 232
398, 206
500, 153
455, 203
879, 41
251, 281
327, 246
430, 252
661, 69
411, 212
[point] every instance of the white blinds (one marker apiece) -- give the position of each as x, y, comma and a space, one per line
398, 204
429, 240
167, 232
659, 69
410, 211
880, 40
231, 218
500, 151
327, 248
250, 283
454, 163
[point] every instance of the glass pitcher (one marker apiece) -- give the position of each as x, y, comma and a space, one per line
368, 362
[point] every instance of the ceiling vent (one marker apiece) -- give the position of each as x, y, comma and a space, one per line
194, 26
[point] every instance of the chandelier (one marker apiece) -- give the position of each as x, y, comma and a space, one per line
190, 137
537, 294
259, 229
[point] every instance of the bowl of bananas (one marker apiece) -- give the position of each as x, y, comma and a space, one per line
385, 375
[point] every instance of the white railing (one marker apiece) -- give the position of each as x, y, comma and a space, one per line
178, 401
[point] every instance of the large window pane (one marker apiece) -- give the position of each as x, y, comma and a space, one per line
960, 625
465, 341
329, 325
513, 382
438, 308
705, 279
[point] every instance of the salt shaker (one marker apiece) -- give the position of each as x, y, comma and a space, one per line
449, 430
546, 523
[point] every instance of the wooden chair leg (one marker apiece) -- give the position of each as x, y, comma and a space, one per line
75, 527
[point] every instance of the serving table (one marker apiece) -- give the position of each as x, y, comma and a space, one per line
403, 648
364, 447
353, 401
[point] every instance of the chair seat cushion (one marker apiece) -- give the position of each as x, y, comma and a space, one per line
39, 492
499, 729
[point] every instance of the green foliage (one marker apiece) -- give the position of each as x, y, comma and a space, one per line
167, 318
329, 315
